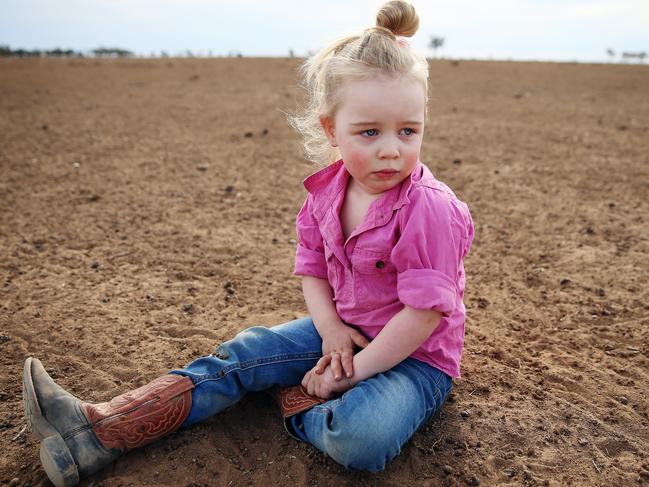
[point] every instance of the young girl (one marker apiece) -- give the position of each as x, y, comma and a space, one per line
380, 250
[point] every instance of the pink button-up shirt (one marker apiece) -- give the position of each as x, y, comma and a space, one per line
408, 250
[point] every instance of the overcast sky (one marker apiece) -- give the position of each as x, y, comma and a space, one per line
500, 29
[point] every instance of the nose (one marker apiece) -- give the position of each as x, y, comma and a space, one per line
389, 148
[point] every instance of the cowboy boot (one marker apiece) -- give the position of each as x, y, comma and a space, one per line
79, 438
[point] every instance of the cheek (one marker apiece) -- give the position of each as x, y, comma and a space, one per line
357, 158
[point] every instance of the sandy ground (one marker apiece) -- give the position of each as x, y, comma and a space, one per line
132, 192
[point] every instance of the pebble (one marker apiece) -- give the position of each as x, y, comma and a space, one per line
447, 469
14, 482
583, 441
565, 281
188, 308
623, 400
203, 167
474, 481
465, 413
644, 474
94, 265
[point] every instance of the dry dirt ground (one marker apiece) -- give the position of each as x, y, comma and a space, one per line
147, 214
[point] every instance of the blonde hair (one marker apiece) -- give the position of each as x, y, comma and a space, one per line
378, 50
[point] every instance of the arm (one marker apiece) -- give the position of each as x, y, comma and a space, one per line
338, 339
400, 337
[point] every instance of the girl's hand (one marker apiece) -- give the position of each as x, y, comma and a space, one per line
324, 385
338, 344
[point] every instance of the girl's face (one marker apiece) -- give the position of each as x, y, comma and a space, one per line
378, 129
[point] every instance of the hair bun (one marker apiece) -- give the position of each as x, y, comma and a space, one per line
398, 17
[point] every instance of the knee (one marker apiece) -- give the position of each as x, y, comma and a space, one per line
239, 347
361, 448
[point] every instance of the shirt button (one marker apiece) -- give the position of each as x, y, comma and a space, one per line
380, 264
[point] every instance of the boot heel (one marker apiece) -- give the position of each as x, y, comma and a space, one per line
58, 462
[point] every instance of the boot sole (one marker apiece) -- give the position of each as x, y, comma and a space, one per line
56, 458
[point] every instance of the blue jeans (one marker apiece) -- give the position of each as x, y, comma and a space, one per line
363, 429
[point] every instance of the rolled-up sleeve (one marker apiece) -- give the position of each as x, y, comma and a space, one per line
309, 254
435, 236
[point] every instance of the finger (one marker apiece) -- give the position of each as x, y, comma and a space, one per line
322, 364
359, 339
336, 367
310, 388
348, 363
306, 379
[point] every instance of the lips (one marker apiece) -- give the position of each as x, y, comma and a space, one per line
386, 173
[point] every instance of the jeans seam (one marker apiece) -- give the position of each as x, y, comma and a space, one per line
251, 364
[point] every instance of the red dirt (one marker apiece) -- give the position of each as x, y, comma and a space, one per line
132, 191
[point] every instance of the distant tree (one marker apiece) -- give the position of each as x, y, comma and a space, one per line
291, 53
112, 52
640, 56
5, 51
435, 43
610, 53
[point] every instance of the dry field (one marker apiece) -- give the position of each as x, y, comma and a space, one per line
133, 191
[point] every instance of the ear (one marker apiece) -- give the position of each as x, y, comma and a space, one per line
329, 129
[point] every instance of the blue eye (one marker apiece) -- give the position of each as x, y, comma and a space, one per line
371, 132
407, 131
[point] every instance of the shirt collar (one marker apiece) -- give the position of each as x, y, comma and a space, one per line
325, 186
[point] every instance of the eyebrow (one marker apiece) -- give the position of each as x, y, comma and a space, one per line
407, 122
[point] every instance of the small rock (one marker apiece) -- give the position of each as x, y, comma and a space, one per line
13, 482
264, 132
447, 469
465, 413
203, 167
4, 338
229, 188
601, 292
76, 164
583, 441
292, 241
248, 135
623, 400
188, 308
474, 481
589, 230
450, 440
94, 265
93, 198
274, 241
565, 281
510, 472
644, 474
457, 162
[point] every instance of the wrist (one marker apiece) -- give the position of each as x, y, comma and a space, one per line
328, 326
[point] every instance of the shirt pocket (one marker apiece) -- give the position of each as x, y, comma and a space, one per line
375, 279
